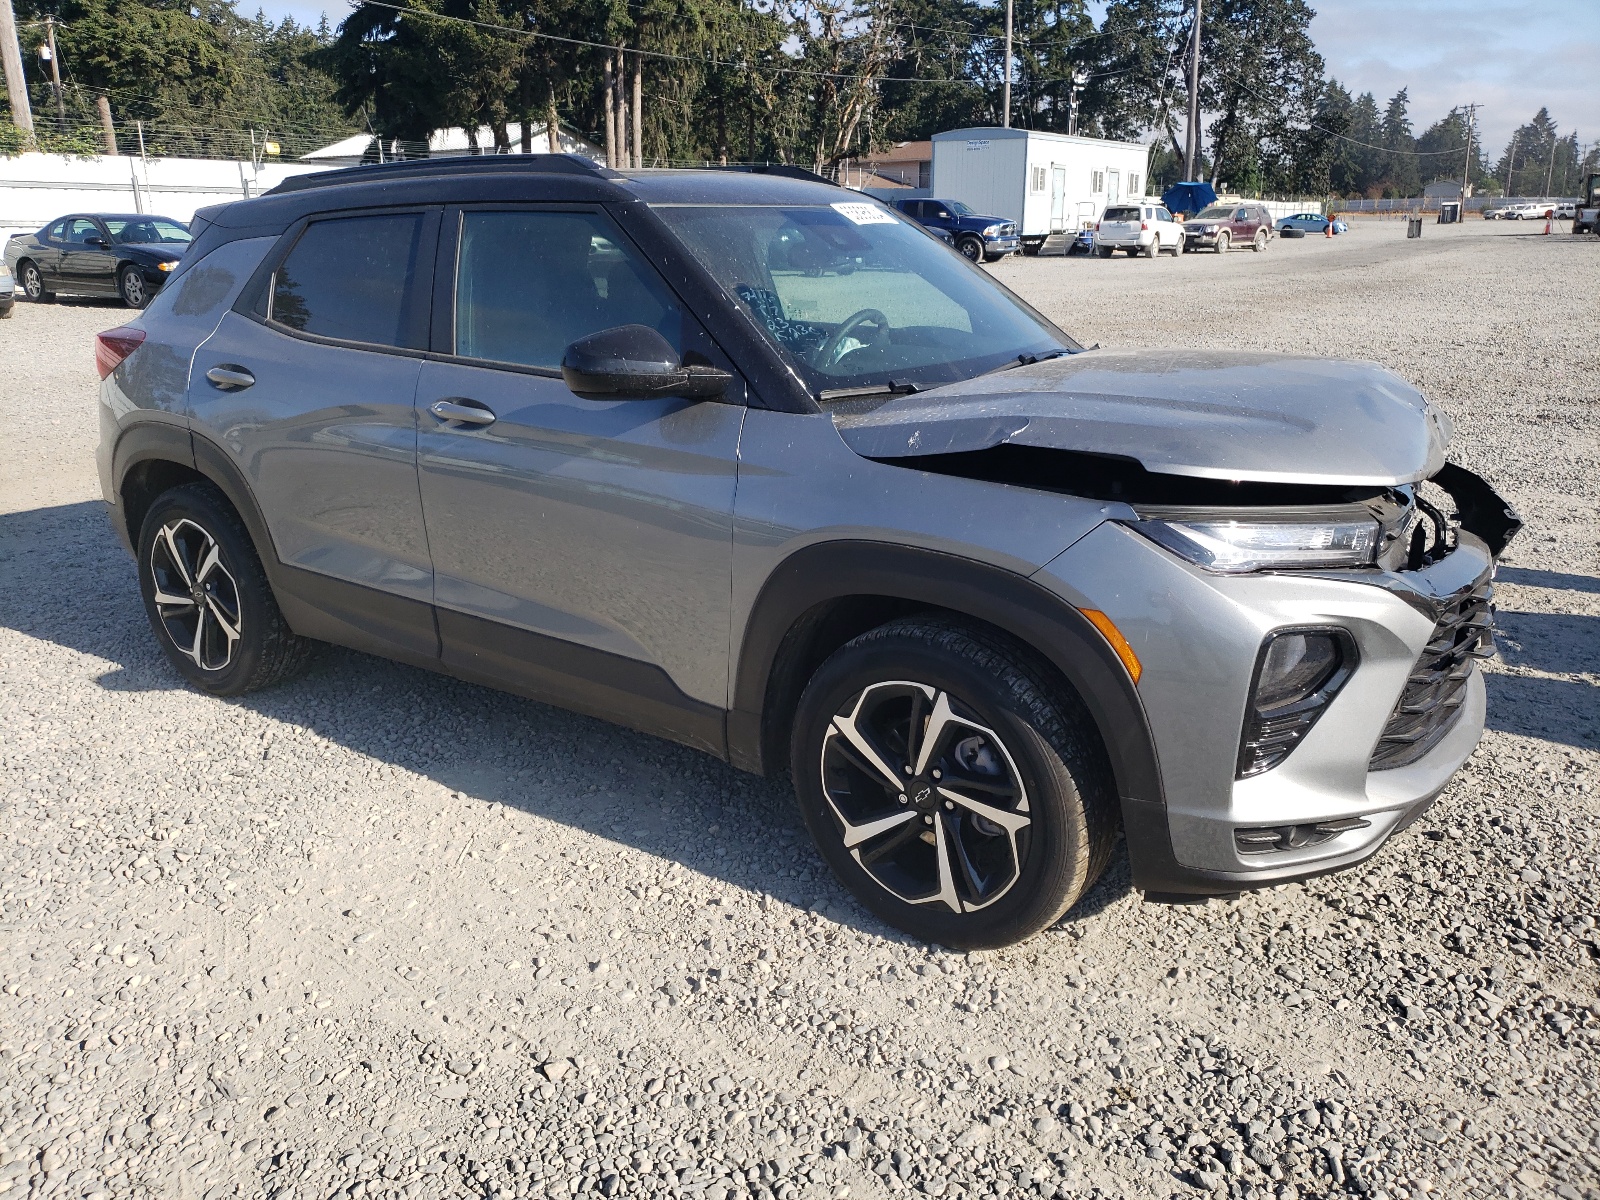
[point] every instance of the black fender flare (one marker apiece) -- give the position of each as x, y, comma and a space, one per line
837, 570
143, 442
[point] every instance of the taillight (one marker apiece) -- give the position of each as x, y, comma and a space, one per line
1143, 225
1097, 226
114, 345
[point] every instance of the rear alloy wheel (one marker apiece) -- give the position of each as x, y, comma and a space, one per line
132, 288
959, 796
33, 284
1223, 242
1153, 249
971, 248
207, 596
1259, 243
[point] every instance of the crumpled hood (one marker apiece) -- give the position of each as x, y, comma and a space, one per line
1209, 414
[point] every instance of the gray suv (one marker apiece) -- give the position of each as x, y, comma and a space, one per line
755, 464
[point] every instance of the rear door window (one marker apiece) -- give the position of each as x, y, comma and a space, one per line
529, 283
355, 279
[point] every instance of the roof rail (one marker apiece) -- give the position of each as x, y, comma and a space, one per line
455, 164
781, 169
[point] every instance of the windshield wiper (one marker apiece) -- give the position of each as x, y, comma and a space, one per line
1027, 360
876, 389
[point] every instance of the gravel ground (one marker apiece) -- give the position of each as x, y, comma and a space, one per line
379, 933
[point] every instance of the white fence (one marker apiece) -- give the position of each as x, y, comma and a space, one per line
37, 188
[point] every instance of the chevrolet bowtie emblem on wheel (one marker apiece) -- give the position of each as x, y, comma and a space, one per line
922, 795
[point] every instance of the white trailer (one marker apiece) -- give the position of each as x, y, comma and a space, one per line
1045, 182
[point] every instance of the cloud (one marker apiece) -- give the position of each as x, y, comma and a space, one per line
1511, 56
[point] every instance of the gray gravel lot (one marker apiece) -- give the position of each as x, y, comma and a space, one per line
379, 933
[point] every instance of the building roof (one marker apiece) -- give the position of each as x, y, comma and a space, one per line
363, 146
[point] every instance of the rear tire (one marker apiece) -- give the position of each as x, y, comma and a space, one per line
994, 831
1259, 242
208, 598
32, 280
1103, 251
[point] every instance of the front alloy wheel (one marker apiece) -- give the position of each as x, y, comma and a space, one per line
971, 249
962, 795
929, 801
135, 292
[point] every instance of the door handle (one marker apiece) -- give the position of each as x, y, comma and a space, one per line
230, 378
459, 408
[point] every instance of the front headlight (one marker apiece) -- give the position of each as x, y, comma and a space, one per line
993, 230
166, 266
1220, 542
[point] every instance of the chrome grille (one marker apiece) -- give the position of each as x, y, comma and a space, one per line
1437, 686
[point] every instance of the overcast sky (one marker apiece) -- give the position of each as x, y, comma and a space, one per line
1511, 56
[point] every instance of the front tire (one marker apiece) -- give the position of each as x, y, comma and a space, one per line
208, 598
1223, 242
971, 249
961, 794
135, 292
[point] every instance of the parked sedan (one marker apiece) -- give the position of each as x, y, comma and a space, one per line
1309, 223
98, 254
1223, 226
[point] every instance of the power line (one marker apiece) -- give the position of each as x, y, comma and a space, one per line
704, 60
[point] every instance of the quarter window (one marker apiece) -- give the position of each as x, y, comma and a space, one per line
353, 278
530, 283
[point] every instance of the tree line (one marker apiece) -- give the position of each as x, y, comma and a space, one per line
808, 82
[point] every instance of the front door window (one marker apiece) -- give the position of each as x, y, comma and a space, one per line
528, 284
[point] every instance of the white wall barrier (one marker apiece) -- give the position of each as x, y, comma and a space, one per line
37, 188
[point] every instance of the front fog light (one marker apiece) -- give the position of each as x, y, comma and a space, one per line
1298, 673
1220, 543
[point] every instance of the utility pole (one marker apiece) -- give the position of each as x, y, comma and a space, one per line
106, 127
1511, 163
11, 60
1079, 79
1550, 168
55, 66
1191, 150
1006, 102
1466, 167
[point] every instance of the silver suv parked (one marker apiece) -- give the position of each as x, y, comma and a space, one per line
755, 464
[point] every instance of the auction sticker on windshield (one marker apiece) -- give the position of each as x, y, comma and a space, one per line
864, 214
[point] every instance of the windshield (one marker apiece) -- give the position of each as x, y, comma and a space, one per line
126, 231
1217, 212
960, 209
854, 297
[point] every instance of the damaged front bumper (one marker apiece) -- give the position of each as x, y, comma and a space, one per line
1410, 713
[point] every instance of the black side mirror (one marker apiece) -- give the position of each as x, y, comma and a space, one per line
634, 362
94, 239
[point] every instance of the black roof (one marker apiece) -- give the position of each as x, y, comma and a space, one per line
502, 177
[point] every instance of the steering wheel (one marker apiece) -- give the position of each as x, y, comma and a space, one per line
830, 349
